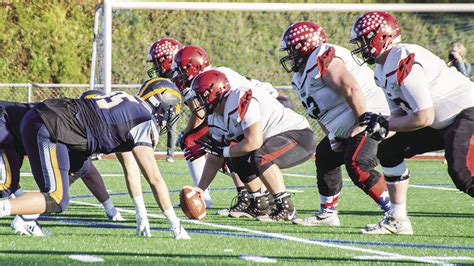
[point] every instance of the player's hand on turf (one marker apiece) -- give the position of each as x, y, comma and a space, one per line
194, 152
143, 226
377, 125
212, 146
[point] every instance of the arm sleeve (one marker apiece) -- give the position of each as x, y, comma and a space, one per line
415, 89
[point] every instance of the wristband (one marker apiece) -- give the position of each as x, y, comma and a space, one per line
226, 151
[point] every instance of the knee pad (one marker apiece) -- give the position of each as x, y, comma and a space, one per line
53, 207
330, 183
398, 173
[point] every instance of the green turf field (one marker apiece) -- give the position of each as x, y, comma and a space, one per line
442, 220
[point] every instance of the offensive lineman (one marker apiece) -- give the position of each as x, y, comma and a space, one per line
432, 108
188, 62
258, 134
337, 92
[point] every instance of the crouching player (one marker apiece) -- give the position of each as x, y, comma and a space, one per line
267, 136
57, 129
13, 152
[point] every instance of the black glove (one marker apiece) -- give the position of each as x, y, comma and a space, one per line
212, 146
377, 125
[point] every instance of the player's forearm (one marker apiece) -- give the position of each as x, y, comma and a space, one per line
355, 99
411, 122
213, 163
244, 147
193, 122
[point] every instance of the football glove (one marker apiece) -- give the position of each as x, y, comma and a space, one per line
179, 232
143, 226
377, 125
212, 146
194, 152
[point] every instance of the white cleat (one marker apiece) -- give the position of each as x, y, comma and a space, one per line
390, 225
320, 219
29, 228
117, 217
179, 232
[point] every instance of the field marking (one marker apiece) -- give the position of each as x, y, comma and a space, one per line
281, 236
431, 187
445, 258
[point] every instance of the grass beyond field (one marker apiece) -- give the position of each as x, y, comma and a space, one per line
442, 220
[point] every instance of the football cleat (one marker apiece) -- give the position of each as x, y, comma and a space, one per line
284, 211
179, 232
390, 225
257, 207
29, 228
238, 206
320, 218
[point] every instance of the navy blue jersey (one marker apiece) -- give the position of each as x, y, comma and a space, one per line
117, 122
11, 115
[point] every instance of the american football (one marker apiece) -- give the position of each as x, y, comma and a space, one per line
192, 204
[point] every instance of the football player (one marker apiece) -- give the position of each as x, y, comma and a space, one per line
258, 134
188, 62
13, 153
57, 129
336, 92
432, 108
161, 55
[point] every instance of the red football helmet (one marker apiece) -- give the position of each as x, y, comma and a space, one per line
299, 40
373, 32
161, 55
210, 87
188, 62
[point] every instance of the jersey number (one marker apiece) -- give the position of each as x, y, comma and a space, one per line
310, 104
107, 101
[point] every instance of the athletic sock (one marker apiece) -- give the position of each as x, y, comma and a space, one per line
399, 209
384, 201
5, 208
329, 203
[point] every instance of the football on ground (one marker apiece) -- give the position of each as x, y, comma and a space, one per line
192, 204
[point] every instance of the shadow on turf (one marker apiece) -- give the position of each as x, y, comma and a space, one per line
191, 256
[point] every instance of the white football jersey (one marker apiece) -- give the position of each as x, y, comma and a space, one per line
329, 106
434, 84
237, 81
244, 107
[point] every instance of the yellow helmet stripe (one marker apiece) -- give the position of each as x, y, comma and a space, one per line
148, 84
90, 96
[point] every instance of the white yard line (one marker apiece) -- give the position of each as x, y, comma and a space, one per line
431, 187
284, 237
444, 258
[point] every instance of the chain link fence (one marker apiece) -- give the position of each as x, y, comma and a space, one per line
38, 92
